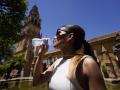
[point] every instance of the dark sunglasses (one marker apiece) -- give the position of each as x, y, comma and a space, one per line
60, 33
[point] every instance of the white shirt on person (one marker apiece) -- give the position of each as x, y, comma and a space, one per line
59, 80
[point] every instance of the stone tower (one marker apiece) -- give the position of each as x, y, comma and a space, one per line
31, 29
32, 24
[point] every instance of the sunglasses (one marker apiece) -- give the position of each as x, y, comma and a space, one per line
60, 33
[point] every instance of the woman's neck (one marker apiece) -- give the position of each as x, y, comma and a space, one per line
70, 53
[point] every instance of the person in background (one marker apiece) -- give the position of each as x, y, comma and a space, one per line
77, 69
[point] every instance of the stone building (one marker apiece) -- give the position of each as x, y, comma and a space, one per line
30, 30
117, 48
104, 48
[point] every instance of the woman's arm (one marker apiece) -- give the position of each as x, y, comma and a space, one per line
94, 75
39, 76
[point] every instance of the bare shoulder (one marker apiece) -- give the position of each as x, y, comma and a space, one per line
90, 65
92, 70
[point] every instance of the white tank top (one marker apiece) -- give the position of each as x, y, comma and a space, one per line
59, 80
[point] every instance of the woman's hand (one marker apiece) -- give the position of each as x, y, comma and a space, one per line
38, 68
42, 49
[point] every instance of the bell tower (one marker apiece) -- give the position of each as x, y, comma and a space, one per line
32, 25
31, 29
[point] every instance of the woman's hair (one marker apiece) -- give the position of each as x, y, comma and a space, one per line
79, 37
88, 50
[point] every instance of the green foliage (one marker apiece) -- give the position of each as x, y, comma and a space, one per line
11, 14
1, 69
15, 62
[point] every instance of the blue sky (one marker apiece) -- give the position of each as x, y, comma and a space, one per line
97, 17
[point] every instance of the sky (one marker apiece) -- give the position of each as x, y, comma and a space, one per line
96, 17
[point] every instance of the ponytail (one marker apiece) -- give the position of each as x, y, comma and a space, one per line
88, 50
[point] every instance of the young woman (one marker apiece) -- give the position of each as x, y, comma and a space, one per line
77, 69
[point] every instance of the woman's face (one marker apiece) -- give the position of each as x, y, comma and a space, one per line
60, 39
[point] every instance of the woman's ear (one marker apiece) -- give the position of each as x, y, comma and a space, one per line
70, 36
